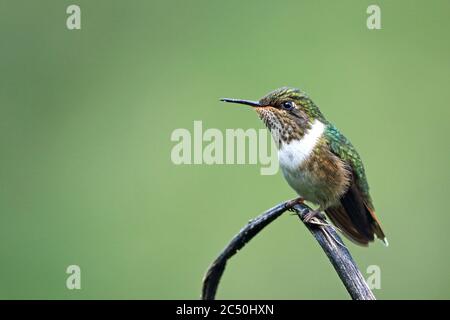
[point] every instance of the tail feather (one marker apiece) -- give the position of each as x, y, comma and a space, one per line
341, 220
376, 226
356, 218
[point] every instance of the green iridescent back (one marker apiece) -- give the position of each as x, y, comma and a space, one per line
343, 148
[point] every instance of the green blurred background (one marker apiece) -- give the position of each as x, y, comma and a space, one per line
86, 118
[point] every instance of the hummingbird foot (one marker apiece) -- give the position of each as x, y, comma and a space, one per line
316, 217
309, 217
290, 205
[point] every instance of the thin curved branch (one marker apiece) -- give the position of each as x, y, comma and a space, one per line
324, 233
338, 254
215, 271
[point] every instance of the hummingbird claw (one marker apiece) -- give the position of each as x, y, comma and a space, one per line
307, 218
290, 205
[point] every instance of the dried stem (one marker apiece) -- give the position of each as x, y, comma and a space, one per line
324, 233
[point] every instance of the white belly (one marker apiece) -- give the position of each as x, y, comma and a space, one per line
291, 156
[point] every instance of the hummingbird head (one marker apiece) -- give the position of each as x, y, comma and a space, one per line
287, 112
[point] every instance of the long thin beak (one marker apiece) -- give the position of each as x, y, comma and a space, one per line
253, 104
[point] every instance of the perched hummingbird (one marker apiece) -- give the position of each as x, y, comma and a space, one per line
319, 162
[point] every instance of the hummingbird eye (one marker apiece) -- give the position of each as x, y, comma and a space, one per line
288, 105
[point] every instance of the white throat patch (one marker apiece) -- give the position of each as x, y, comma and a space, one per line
292, 155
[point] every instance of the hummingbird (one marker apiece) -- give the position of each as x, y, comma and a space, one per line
319, 163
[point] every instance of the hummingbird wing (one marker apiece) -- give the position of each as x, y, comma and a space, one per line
355, 214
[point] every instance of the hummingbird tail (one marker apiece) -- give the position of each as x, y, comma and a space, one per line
356, 218
376, 226
340, 219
